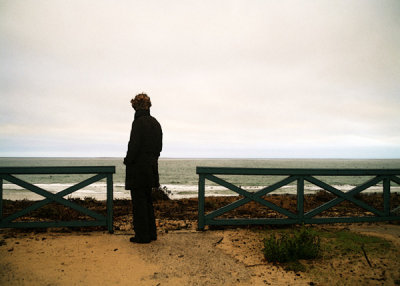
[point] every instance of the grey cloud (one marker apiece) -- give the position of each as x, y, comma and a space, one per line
238, 73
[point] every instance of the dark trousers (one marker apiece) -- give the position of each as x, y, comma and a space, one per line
144, 223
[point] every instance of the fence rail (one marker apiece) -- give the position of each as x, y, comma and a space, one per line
100, 172
384, 176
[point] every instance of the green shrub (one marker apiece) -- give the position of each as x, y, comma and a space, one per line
300, 244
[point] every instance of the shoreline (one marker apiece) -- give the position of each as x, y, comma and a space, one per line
183, 213
174, 192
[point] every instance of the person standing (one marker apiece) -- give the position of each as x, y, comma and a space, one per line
144, 147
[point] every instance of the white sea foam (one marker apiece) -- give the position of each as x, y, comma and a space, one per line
99, 190
191, 191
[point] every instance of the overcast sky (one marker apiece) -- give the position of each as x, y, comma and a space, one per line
258, 79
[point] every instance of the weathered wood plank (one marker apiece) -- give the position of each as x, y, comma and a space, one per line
58, 170
296, 171
201, 198
1, 199
110, 203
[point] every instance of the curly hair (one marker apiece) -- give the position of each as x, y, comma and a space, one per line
141, 102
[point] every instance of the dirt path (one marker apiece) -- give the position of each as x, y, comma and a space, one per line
184, 257
387, 231
98, 258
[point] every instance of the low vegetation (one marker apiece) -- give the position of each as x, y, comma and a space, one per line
292, 248
298, 244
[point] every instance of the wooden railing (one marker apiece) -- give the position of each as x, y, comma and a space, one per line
384, 176
7, 174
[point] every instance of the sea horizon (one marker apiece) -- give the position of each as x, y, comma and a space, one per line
208, 158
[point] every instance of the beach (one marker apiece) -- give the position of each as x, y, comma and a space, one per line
181, 255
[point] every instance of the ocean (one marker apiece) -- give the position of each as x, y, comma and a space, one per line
179, 176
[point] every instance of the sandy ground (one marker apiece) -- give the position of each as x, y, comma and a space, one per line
182, 257
98, 258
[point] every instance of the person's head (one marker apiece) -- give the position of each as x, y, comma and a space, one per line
141, 102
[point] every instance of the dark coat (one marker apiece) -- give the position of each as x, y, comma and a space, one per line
144, 148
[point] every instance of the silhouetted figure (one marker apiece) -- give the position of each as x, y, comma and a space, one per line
141, 162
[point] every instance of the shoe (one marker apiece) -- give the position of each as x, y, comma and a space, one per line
134, 239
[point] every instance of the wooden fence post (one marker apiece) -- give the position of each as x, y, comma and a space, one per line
201, 200
386, 196
1, 199
110, 203
300, 199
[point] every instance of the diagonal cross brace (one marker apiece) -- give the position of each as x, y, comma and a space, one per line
53, 197
250, 196
395, 179
342, 196
59, 194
